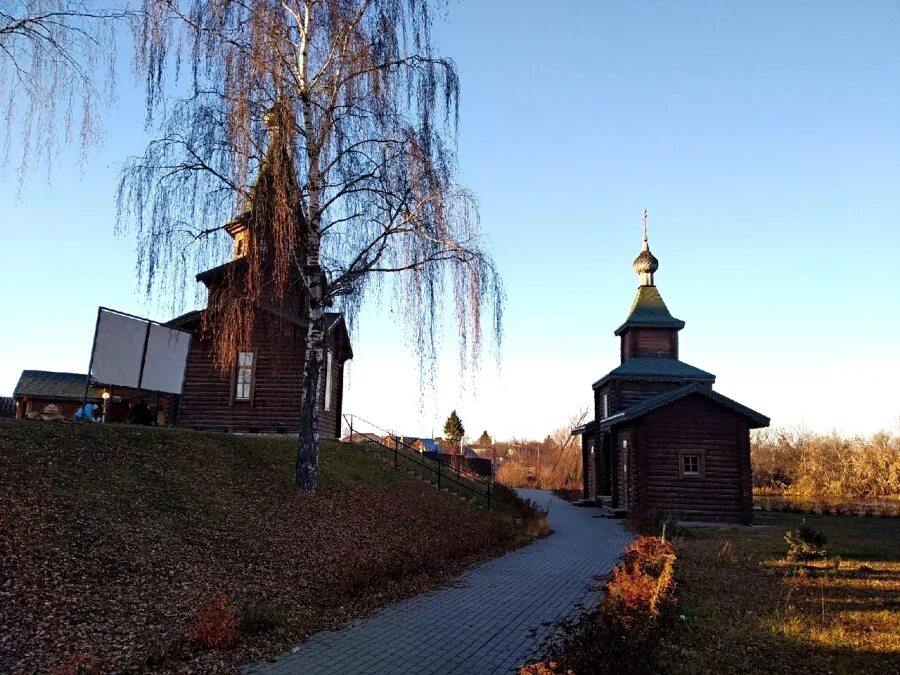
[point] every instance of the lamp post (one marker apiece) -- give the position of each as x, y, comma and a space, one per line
105, 397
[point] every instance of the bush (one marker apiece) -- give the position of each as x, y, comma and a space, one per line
805, 544
215, 624
834, 466
259, 617
636, 588
625, 623
534, 518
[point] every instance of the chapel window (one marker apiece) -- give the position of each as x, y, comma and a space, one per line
243, 385
328, 384
690, 465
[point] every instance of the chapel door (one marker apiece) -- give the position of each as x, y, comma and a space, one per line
605, 466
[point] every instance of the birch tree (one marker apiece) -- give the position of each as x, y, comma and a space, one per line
366, 116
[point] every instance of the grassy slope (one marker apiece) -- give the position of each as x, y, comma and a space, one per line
746, 613
111, 536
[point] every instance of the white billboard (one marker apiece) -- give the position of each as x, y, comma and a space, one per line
133, 352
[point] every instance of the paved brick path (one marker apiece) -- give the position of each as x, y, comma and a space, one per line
490, 620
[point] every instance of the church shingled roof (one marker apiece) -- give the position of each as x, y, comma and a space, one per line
649, 311
651, 403
655, 368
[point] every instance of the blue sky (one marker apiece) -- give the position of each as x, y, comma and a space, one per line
763, 138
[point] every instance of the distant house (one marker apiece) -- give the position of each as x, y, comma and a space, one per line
462, 462
486, 451
361, 438
396, 441
427, 445
662, 439
38, 389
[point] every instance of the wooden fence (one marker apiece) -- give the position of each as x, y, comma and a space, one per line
479, 466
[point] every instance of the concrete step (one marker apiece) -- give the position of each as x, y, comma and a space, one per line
608, 512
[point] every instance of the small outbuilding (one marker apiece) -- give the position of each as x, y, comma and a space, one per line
40, 390
661, 439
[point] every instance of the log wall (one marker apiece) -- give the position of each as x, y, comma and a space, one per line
649, 342
279, 348
693, 425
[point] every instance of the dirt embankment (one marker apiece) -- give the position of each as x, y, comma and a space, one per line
112, 538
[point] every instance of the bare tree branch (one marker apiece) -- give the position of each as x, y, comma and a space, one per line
355, 189
50, 51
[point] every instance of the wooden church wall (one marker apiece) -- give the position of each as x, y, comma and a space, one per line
207, 401
650, 342
695, 425
330, 420
629, 392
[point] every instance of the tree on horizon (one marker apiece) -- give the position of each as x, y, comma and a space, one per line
485, 439
454, 431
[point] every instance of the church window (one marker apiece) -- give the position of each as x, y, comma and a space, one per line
690, 465
240, 244
605, 406
328, 384
243, 385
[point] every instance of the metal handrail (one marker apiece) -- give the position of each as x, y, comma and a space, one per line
399, 439
417, 459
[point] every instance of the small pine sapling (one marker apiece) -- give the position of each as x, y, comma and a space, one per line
805, 543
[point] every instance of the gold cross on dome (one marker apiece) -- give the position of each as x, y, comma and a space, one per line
644, 218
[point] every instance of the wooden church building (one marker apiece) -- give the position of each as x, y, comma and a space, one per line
261, 393
662, 440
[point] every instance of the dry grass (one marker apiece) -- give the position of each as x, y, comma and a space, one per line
112, 538
746, 609
741, 607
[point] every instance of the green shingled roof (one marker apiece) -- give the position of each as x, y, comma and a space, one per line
654, 368
658, 401
649, 310
50, 385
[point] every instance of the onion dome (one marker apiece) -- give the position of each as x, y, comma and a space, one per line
646, 263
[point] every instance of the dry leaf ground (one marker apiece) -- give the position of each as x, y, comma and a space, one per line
111, 537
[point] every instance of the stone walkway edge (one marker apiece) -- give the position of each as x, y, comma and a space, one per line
492, 619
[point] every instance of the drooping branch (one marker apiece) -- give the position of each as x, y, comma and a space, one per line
367, 114
53, 85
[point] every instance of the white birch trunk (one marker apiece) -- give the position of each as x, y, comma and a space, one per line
307, 470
